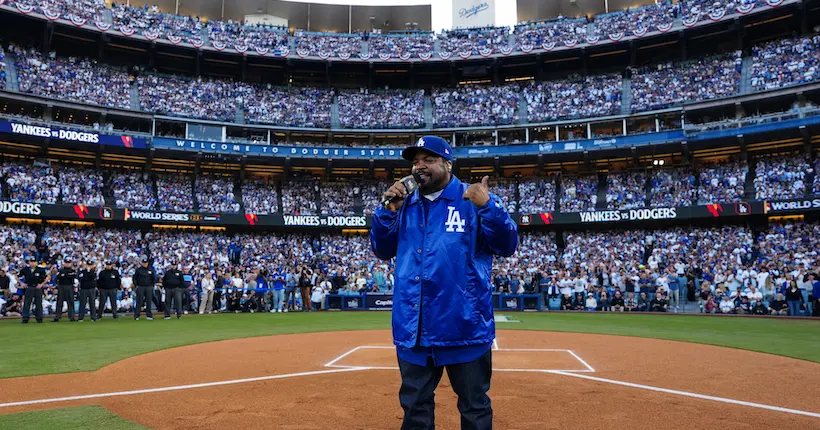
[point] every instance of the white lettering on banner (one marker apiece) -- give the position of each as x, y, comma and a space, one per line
353, 303
478, 151
512, 303
629, 215
19, 208
546, 147
39, 131
384, 303
159, 216
792, 206
180, 143
325, 221
604, 142
454, 222
473, 11
572, 146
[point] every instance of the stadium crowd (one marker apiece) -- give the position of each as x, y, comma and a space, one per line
133, 190
785, 62
583, 98
475, 105
300, 107
626, 190
339, 198
175, 193
537, 195
383, 109
83, 186
75, 79
259, 196
781, 178
215, 194
722, 183
299, 197
775, 267
668, 84
579, 193
672, 187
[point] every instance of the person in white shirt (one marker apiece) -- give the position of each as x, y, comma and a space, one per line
591, 303
316, 296
754, 295
207, 302
727, 306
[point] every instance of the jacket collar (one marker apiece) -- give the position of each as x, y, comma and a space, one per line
451, 192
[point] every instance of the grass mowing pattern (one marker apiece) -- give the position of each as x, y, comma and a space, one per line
82, 417
75, 347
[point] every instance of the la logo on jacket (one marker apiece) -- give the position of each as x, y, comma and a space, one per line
454, 222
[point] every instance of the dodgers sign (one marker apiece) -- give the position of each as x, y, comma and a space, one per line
473, 13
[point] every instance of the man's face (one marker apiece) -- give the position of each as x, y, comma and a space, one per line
430, 171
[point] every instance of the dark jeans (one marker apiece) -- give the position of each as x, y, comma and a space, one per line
87, 297
176, 295
470, 381
108, 295
65, 294
33, 295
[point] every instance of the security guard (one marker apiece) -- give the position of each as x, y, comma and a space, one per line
144, 280
109, 282
32, 280
174, 285
88, 289
65, 289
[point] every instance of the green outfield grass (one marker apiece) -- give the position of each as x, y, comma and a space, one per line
74, 347
83, 417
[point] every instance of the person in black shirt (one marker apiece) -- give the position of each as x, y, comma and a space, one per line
778, 306
4, 282
617, 302
658, 304
65, 289
219, 283
88, 289
759, 309
174, 286
32, 280
109, 281
144, 280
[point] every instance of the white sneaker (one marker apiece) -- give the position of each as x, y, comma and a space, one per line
279, 310
286, 310
272, 310
202, 313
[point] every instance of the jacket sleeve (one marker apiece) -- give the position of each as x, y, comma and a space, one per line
384, 235
498, 232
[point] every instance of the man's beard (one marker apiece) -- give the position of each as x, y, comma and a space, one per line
428, 184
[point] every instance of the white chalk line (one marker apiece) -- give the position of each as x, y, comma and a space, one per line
688, 394
589, 369
178, 387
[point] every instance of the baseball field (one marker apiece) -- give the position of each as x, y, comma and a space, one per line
323, 370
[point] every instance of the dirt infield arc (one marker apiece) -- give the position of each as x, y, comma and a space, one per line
347, 380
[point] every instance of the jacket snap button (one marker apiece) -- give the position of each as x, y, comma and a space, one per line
417, 278
419, 250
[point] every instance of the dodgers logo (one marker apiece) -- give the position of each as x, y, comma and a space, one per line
420, 142
454, 222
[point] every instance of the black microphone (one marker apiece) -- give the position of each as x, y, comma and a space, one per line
410, 185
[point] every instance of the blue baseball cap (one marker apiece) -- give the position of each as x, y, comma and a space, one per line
433, 144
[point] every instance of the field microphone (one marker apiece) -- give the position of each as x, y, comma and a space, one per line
410, 184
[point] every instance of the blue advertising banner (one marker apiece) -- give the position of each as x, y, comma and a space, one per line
277, 150
71, 135
384, 153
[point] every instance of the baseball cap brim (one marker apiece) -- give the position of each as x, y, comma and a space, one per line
409, 153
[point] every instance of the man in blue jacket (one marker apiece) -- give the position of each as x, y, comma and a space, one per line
444, 237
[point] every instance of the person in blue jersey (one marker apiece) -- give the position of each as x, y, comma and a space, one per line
443, 236
278, 290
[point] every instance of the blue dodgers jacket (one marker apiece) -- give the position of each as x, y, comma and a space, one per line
443, 266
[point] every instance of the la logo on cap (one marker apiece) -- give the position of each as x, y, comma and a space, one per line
420, 142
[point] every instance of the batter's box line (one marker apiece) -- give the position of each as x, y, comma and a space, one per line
589, 369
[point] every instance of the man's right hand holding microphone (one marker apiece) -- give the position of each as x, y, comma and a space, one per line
394, 197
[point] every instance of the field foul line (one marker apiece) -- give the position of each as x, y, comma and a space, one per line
179, 387
688, 394
582, 361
